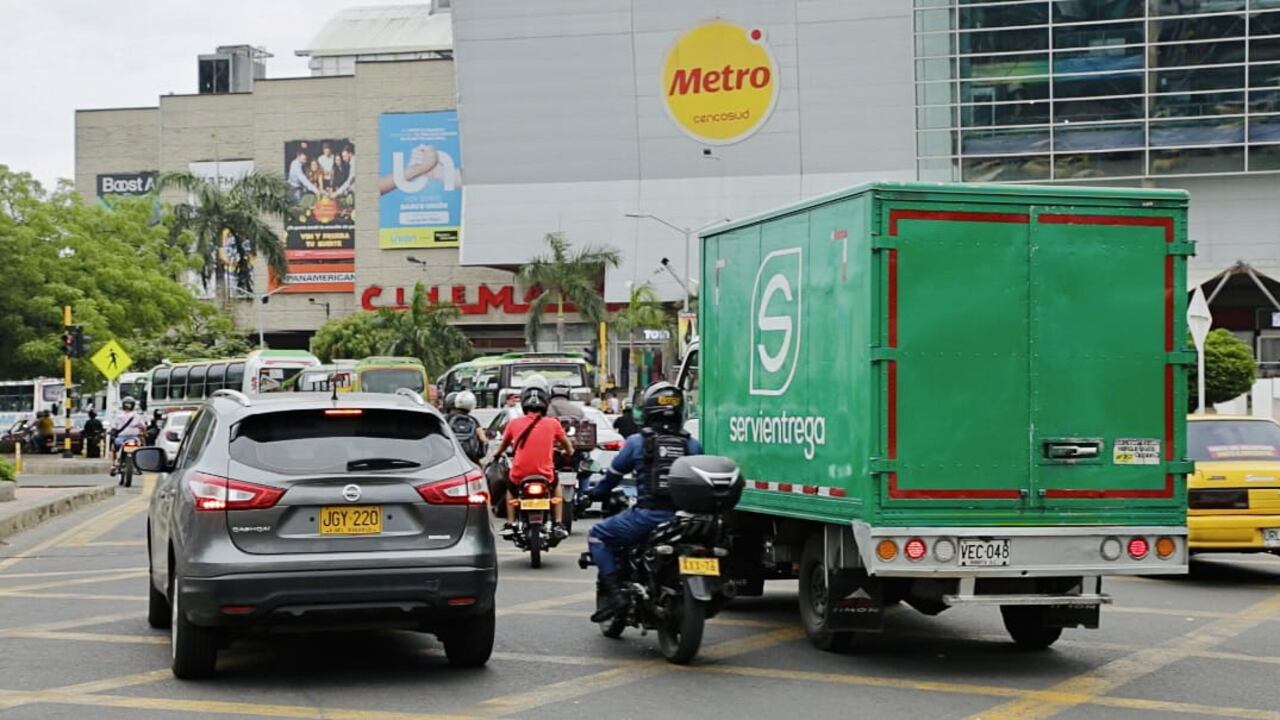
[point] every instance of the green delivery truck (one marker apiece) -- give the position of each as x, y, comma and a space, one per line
950, 395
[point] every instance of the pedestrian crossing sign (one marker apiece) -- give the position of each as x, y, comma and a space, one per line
111, 360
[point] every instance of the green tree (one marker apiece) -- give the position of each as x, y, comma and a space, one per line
565, 276
207, 333
642, 311
238, 213
115, 269
1229, 369
353, 336
423, 331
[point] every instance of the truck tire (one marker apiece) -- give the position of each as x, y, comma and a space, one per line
1026, 625
813, 600
471, 645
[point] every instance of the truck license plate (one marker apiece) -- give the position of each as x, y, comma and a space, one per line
984, 553
1271, 537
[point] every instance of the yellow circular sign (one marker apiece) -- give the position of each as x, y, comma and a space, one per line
720, 82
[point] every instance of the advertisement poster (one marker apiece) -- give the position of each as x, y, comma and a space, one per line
421, 180
225, 173
320, 228
131, 184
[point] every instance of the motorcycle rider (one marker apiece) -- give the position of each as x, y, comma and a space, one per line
535, 439
465, 427
128, 424
153, 427
91, 432
648, 455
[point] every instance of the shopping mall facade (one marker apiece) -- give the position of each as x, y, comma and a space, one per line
577, 116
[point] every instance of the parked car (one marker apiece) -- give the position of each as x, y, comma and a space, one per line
175, 424
1233, 497
294, 509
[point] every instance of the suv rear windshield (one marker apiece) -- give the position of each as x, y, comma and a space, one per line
1233, 440
389, 381
307, 442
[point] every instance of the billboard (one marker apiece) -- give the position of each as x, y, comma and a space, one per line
131, 184
225, 173
320, 227
420, 165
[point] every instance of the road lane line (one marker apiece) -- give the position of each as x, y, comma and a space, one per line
110, 543
1174, 612
56, 540
106, 523
116, 683
8, 698
74, 596
92, 637
64, 573
546, 604
71, 624
720, 620
1122, 671
53, 584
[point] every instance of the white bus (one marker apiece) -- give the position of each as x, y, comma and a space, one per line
186, 384
24, 398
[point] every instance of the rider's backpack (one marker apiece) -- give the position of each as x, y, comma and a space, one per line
464, 428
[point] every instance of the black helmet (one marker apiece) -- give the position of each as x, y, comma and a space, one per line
534, 398
663, 405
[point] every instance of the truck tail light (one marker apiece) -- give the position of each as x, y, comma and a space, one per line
944, 550
1165, 547
886, 550
1226, 499
213, 493
915, 549
468, 489
1138, 548
1111, 548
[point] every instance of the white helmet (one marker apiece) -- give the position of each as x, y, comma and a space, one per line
465, 400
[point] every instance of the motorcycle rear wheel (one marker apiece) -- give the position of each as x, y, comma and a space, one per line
681, 635
534, 535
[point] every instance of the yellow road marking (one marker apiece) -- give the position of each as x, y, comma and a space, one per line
109, 543
546, 604
56, 540
71, 624
52, 584
1122, 671
74, 596
1174, 612
93, 637
722, 620
548, 579
116, 683
63, 573
107, 522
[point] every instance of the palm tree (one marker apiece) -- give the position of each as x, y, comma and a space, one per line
566, 276
237, 212
423, 331
643, 311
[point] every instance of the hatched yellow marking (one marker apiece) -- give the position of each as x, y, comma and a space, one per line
72, 533
51, 584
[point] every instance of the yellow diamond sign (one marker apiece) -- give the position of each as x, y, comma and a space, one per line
111, 360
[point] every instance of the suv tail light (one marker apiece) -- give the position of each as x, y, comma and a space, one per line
468, 489
213, 493
1218, 499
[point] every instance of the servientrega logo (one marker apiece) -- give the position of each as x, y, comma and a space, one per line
777, 303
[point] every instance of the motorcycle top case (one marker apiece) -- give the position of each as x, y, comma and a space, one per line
705, 484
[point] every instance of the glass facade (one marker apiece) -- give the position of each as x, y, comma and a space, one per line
1035, 90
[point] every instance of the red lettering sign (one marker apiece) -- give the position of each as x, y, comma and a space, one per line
488, 299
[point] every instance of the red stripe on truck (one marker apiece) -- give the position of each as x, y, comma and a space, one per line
958, 494
1166, 491
953, 216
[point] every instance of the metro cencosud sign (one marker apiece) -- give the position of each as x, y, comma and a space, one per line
719, 82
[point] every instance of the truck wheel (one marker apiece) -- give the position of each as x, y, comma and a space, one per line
471, 645
814, 602
1026, 626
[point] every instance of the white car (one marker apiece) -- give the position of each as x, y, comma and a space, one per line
175, 425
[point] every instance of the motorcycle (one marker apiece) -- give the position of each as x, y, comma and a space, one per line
533, 529
124, 460
673, 579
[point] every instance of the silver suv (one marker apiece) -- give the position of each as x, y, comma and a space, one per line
306, 510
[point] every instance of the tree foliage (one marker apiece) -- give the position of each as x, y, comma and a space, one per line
206, 333
642, 311
1229, 368
354, 336
565, 275
236, 213
114, 267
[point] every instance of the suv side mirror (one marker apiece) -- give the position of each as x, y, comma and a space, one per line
151, 459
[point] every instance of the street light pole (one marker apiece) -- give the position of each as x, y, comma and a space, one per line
262, 300
688, 240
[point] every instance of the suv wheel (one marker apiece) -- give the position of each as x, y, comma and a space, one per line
194, 648
471, 644
157, 606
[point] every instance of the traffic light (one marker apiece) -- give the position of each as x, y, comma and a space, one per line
589, 353
68, 342
79, 342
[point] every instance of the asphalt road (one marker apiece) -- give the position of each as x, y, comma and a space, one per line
74, 642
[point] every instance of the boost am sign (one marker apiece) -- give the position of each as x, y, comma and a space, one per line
719, 82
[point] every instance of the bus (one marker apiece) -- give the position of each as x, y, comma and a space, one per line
21, 399
389, 374
498, 376
186, 384
322, 377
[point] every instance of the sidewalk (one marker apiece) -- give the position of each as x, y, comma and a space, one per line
35, 505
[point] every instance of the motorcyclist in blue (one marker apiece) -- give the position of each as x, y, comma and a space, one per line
648, 455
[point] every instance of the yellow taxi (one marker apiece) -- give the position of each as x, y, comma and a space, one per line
1233, 498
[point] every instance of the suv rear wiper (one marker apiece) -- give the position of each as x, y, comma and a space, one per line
378, 463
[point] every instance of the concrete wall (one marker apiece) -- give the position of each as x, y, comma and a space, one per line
564, 128
114, 141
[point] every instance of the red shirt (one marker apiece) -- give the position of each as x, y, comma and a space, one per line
536, 455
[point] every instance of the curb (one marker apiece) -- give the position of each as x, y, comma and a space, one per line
38, 468
34, 516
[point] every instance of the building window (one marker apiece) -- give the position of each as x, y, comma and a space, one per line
1037, 90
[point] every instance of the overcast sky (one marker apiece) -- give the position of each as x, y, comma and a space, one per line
64, 55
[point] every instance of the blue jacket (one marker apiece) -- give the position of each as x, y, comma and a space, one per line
631, 460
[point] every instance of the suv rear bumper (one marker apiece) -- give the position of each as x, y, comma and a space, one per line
405, 597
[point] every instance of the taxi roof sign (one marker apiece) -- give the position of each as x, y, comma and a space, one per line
111, 360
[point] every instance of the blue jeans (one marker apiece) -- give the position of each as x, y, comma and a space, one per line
626, 528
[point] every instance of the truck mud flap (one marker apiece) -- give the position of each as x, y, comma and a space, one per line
702, 588
855, 601
1070, 616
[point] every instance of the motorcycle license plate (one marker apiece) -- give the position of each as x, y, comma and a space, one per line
354, 520
984, 553
540, 504
700, 566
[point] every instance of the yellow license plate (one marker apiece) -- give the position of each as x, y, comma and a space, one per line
543, 504
352, 520
700, 566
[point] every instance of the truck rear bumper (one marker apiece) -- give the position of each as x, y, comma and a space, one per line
1019, 552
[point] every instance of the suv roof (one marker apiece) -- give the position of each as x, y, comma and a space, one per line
273, 402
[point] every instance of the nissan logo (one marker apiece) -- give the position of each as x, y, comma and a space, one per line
351, 492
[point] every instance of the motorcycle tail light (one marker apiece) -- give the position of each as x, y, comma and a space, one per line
535, 489
468, 489
611, 445
213, 493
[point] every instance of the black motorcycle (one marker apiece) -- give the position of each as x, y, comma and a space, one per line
674, 579
533, 529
